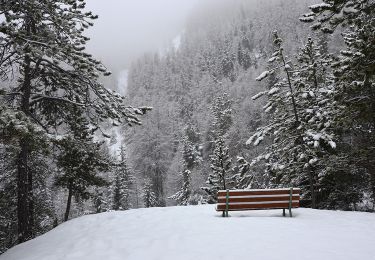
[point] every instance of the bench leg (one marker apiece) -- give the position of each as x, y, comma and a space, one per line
223, 214
226, 204
290, 201
283, 212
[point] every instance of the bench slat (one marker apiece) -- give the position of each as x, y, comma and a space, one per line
223, 193
256, 199
284, 205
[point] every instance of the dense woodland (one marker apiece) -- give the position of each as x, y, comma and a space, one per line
258, 94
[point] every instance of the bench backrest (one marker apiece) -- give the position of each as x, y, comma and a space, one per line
258, 199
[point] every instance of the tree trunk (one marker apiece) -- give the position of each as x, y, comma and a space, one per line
68, 204
31, 200
290, 88
136, 194
24, 175
312, 187
25, 204
370, 158
23, 194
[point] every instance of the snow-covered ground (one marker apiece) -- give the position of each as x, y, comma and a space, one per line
198, 232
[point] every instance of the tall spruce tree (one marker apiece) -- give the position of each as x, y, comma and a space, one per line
354, 77
221, 173
101, 198
149, 197
191, 149
122, 183
43, 48
8, 198
242, 175
44, 211
222, 116
221, 177
183, 195
300, 116
191, 158
80, 161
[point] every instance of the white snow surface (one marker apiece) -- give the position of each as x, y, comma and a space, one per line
199, 232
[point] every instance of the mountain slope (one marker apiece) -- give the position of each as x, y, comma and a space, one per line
199, 232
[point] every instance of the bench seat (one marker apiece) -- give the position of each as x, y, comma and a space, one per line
237, 200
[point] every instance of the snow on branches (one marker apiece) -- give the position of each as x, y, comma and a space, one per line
300, 116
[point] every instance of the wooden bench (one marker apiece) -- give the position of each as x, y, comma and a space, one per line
236, 200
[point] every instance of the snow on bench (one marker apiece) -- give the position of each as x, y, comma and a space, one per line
235, 200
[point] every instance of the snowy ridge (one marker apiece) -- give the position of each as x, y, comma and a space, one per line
200, 233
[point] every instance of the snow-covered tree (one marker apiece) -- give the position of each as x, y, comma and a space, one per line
149, 197
353, 75
8, 198
191, 152
100, 200
150, 151
220, 160
300, 109
221, 176
183, 195
44, 208
43, 47
241, 174
79, 161
191, 159
222, 115
122, 183
44, 211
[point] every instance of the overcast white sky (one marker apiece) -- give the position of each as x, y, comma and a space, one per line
128, 28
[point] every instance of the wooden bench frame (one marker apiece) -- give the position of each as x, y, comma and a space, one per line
258, 199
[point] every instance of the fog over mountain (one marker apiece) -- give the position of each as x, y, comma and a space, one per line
123, 33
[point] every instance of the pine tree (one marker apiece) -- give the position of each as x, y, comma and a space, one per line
183, 195
149, 197
8, 198
44, 42
191, 158
241, 174
300, 121
80, 160
354, 76
222, 116
43, 208
122, 184
191, 151
221, 176
99, 200
221, 173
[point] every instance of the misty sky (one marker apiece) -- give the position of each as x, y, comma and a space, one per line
127, 28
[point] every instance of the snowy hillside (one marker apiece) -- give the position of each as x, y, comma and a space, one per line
198, 232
